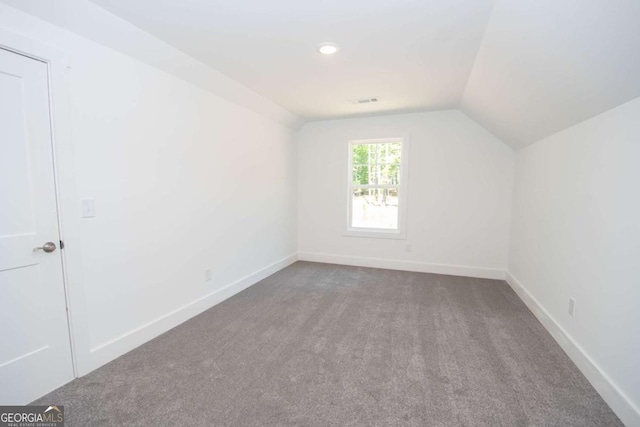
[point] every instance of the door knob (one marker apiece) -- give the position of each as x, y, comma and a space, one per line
47, 247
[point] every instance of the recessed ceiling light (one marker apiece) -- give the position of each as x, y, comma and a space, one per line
328, 48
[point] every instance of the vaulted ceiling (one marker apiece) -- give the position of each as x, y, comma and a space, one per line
522, 69
545, 65
409, 54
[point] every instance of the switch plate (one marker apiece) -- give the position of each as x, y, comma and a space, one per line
572, 306
207, 274
407, 246
88, 208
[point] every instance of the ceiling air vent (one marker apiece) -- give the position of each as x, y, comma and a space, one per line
363, 101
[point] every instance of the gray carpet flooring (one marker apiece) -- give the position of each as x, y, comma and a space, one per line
327, 345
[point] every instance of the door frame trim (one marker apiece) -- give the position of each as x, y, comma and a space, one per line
58, 66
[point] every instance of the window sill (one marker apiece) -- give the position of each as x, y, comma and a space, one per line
375, 234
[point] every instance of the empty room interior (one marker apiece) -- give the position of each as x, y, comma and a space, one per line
330, 213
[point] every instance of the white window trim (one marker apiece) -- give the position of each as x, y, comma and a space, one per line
401, 232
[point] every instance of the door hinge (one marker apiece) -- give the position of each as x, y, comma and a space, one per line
61, 244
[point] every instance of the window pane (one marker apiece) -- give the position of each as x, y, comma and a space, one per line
384, 152
391, 152
374, 208
360, 174
390, 175
361, 154
376, 164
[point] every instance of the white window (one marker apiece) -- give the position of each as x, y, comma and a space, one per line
377, 188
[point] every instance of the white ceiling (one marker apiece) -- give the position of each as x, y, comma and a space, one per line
545, 65
411, 54
523, 69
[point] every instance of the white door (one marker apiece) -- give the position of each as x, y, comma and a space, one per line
35, 351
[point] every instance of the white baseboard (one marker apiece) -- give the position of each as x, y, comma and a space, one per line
628, 413
419, 267
115, 348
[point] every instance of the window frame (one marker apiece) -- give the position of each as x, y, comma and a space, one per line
401, 231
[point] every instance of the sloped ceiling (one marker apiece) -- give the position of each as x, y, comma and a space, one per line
522, 69
409, 54
545, 65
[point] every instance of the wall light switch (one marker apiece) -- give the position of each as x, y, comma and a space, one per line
572, 306
207, 275
88, 208
407, 246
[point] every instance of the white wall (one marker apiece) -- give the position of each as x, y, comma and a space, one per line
460, 185
576, 234
183, 180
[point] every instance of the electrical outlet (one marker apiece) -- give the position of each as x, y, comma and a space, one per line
407, 246
207, 274
572, 306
